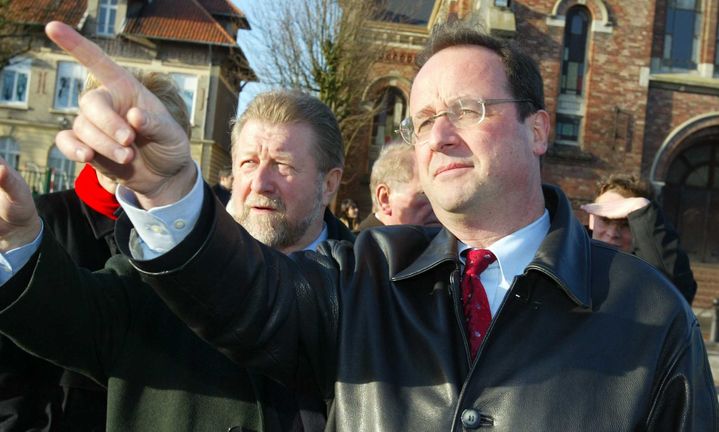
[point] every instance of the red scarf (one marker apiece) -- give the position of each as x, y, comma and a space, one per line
89, 190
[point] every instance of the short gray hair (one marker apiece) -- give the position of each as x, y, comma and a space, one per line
292, 106
394, 166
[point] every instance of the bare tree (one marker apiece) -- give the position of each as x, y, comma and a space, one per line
322, 47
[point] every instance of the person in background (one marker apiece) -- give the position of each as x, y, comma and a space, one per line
397, 196
509, 317
625, 215
349, 214
223, 188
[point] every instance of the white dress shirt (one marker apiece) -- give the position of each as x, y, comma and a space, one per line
514, 253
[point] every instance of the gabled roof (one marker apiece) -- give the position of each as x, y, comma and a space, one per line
43, 11
181, 20
221, 7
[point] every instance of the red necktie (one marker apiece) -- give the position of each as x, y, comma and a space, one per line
474, 298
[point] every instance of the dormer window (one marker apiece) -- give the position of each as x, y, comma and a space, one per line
106, 15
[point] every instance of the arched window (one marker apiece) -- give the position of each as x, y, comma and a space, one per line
574, 51
61, 171
10, 151
392, 108
691, 198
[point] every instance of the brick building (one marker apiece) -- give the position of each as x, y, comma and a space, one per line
194, 41
630, 86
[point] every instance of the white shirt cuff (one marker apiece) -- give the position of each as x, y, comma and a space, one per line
159, 229
13, 260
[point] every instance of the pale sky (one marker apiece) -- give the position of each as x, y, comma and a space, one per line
251, 89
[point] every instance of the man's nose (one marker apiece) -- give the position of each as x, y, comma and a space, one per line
443, 134
262, 179
612, 230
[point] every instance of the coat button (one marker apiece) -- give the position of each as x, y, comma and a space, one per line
471, 419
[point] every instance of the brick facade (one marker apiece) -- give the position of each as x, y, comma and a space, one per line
636, 117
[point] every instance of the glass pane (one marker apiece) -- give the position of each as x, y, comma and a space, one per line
686, 4
572, 74
8, 81
677, 171
699, 177
76, 92
406, 11
577, 27
698, 155
111, 22
63, 92
683, 40
21, 88
101, 20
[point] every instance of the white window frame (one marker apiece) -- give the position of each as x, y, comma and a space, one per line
10, 151
18, 67
75, 75
187, 84
106, 23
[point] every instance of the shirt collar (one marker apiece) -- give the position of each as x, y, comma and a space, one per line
320, 238
515, 251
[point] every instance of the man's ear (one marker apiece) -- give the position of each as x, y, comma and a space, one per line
540, 132
382, 194
330, 184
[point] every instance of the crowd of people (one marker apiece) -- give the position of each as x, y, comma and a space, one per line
471, 296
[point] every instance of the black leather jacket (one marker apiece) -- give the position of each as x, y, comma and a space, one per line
587, 339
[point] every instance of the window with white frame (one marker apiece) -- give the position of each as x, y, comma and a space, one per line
106, 17
187, 84
10, 151
69, 84
62, 170
15, 82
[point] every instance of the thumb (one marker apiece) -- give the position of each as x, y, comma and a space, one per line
13, 187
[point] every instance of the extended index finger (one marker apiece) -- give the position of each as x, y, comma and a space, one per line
87, 53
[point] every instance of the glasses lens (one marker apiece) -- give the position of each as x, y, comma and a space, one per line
406, 129
467, 113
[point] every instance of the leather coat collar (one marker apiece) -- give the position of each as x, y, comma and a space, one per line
563, 256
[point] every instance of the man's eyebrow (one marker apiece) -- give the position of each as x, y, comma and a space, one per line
426, 111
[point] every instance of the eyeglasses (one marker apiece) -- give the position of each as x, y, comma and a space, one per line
461, 113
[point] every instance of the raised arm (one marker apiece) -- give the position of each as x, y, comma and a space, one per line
123, 130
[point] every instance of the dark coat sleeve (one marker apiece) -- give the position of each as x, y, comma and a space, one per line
656, 241
258, 323
67, 315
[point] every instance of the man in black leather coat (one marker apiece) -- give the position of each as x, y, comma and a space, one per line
571, 344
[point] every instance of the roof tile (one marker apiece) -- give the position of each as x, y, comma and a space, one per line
184, 20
